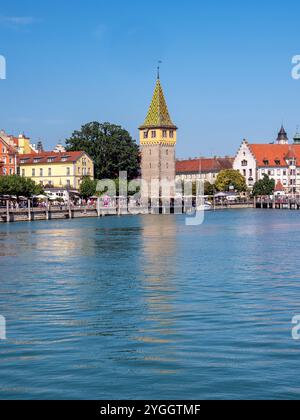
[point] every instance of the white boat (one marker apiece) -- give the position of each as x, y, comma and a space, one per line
202, 207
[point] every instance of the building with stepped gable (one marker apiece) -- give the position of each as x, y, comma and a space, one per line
279, 160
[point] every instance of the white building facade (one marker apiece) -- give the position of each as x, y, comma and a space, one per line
280, 161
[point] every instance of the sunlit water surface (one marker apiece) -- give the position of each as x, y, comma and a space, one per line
146, 307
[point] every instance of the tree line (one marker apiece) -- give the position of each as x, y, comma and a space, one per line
112, 149
18, 186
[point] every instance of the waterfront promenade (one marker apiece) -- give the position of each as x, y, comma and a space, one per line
30, 214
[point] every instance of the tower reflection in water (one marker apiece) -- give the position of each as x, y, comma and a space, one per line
158, 260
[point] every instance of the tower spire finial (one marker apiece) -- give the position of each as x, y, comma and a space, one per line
158, 69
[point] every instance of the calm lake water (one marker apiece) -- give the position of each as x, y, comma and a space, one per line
145, 307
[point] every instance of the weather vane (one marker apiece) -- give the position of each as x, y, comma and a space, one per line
158, 69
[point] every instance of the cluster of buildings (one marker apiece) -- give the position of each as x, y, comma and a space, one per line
279, 160
52, 169
61, 169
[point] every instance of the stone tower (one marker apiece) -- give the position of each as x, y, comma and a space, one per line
158, 136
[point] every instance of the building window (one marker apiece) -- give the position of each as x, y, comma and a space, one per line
23, 172
153, 134
266, 162
171, 134
145, 134
49, 172
68, 172
244, 163
251, 173
165, 134
277, 162
10, 171
33, 172
41, 172
244, 172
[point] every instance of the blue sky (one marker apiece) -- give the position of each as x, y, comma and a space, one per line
226, 68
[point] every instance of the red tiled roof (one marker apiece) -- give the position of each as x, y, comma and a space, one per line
203, 165
279, 187
274, 155
31, 159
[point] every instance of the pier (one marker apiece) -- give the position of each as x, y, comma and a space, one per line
30, 214
278, 204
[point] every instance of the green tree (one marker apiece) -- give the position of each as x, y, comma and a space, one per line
111, 148
228, 178
209, 189
15, 185
265, 186
88, 187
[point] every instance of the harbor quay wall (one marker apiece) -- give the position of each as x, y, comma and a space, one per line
35, 214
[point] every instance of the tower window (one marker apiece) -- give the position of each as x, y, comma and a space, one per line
165, 134
167, 152
145, 134
244, 163
171, 134
153, 134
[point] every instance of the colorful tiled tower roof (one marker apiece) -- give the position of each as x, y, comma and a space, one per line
158, 114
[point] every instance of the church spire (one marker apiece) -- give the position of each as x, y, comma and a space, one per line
158, 115
282, 136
